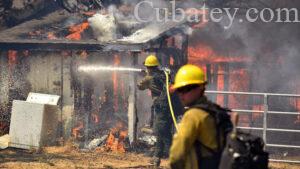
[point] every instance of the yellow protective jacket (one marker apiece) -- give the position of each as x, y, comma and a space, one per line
196, 125
155, 82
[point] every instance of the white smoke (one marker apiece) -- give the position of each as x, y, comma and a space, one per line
104, 27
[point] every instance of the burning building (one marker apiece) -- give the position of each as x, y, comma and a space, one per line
43, 55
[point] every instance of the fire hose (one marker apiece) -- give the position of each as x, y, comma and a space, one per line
167, 72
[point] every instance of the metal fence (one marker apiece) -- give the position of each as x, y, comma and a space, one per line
265, 112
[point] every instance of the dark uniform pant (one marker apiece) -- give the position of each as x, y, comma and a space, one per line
163, 130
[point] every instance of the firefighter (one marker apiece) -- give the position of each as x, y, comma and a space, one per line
195, 142
154, 80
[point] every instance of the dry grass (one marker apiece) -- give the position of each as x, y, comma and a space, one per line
284, 166
70, 157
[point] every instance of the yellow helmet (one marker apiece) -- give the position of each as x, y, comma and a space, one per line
151, 60
189, 75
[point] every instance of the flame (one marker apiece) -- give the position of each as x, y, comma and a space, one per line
171, 61
257, 115
237, 78
77, 30
12, 57
12, 61
238, 81
76, 130
114, 143
51, 36
297, 121
115, 82
83, 54
95, 118
4, 127
66, 53
123, 94
220, 84
204, 53
89, 13
35, 33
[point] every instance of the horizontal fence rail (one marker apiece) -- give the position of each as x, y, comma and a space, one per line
265, 112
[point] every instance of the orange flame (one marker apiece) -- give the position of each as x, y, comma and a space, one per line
83, 54
89, 13
117, 144
12, 57
95, 118
66, 53
220, 85
77, 30
51, 36
297, 121
115, 82
76, 130
257, 115
35, 33
204, 53
172, 61
237, 79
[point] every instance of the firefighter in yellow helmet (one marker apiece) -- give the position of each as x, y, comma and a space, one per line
155, 81
195, 145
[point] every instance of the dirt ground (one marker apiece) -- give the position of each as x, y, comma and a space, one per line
70, 157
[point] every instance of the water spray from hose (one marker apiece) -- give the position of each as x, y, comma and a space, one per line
91, 68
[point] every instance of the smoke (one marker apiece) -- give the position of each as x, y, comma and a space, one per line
273, 47
104, 27
117, 21
275, 54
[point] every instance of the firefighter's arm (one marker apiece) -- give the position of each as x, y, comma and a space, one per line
144, 83
184, 139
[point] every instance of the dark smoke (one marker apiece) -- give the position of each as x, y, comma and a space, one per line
275, 67
273, 47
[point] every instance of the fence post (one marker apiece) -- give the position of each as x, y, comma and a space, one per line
266, 109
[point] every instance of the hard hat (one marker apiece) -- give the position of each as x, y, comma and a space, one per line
151, 60
189, 75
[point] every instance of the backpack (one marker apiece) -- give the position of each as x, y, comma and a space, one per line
223, 125
222, 119
244, 151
